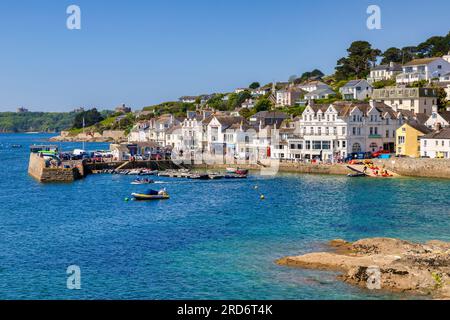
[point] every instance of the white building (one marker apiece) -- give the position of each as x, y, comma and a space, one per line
384, 72
193, 136
158, 127
445, 78
318, 94
262, 91
139, 133
438, 119
287, 97
311, 86
423, 69
249, 103
332, 132
188, 99
436, 144
217, 137
356, 90
174, 137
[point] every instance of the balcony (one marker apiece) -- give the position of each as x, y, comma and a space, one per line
411, 77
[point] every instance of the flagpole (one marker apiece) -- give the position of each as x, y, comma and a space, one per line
83, 134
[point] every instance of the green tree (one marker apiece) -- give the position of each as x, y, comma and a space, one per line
90, 117
254, 85
392, 55
435, 46
361, 57
263, 104
316, 73
236, 99
246, 113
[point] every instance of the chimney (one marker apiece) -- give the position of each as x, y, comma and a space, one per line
372, 103
438, 126
448, 108
434, 109
392, 64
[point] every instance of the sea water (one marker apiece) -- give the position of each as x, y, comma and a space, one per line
211, 240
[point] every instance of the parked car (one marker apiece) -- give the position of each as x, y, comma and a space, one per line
358, 156
379, 153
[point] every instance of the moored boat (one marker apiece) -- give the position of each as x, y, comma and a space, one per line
235, 176
143, 181
196, 176
151, 195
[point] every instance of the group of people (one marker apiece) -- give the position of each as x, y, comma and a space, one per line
376, 170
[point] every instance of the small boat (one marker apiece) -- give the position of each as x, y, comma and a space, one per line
357, 175
241, 171
149, 172
143, 181
215, 176
135, 172
16, 146
199, 177
231, 170
151, 195
235, 176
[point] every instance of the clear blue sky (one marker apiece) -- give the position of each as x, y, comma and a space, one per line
145, 52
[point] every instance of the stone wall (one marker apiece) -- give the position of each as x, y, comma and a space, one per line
336, 169
114, 134
415, 167
38, 170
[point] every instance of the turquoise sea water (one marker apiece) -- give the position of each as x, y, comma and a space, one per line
211, 240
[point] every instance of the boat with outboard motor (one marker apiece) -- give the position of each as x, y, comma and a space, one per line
151, 195
142, 181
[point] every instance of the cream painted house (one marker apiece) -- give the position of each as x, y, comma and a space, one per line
417, 100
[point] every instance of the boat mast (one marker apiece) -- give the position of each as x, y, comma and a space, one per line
83, 133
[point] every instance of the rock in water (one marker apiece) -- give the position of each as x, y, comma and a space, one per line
387, 264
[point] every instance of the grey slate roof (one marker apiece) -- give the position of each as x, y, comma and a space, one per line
442, 134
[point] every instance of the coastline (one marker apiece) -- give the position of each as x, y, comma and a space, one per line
384, 264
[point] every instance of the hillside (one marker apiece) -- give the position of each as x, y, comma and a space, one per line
35, 121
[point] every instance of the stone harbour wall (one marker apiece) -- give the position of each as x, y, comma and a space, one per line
415, 167
38, 170
334, 169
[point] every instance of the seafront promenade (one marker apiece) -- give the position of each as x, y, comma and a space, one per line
70, 171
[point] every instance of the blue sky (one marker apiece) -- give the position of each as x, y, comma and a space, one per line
142, 52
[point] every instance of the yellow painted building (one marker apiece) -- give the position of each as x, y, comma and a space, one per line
408, 135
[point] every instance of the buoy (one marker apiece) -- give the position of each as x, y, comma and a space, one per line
127, 199
256, 187
262, 197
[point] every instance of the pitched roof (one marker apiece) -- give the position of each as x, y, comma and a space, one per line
353, 83
228, 121
418, 62
271, 115
173, 129
442, 134
320, 91
419, 127
387, 67
445, 115
422, 117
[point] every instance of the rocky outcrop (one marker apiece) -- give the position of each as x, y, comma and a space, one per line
385, 264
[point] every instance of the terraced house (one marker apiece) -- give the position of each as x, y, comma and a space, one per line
332, 132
